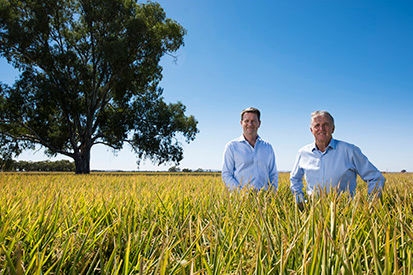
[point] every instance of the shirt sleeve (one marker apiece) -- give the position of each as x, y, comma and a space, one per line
368, 172
228, 168
296, 180
273, 175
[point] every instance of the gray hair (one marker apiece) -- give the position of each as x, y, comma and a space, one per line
251, 110
322, 113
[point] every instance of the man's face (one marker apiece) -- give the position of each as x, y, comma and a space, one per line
250, 124
322, 129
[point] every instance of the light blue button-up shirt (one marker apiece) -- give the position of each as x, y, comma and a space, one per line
336, 167
244, 165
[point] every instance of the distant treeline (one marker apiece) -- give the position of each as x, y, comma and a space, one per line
40, 166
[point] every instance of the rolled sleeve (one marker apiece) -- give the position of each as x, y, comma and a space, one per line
273, 177
369, 173
228, 168
296, 180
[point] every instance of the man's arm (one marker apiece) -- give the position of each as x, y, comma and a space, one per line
369, 173
273, 175
296, 181
228, 168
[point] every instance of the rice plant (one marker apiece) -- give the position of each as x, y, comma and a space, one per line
189, 223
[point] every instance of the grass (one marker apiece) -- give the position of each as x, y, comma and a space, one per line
158, 223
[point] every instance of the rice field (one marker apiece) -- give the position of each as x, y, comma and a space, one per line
160, 223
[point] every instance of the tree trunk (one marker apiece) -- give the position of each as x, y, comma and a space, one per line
82, 162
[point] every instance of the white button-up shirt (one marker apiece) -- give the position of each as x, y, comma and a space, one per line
336, 167
244, 165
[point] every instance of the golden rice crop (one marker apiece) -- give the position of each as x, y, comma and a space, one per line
160, 223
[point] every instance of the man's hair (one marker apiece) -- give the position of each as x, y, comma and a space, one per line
251, 110
322, 113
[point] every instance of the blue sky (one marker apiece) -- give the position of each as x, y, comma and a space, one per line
287, 58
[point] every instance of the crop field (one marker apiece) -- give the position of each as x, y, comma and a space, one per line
189, 223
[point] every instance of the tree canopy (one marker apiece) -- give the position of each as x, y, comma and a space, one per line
89, 74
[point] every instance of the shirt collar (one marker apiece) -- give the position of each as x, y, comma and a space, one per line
242, 138
331, 145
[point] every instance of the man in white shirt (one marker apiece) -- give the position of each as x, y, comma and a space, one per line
248, 160
329, 163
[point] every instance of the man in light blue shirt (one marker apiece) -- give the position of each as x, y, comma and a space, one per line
330, 164
248, 160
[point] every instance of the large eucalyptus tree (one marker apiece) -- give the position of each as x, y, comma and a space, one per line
89, 74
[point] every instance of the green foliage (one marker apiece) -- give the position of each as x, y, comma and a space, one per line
89, 74
39, 166
159, 223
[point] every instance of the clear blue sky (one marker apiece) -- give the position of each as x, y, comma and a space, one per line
287, 58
